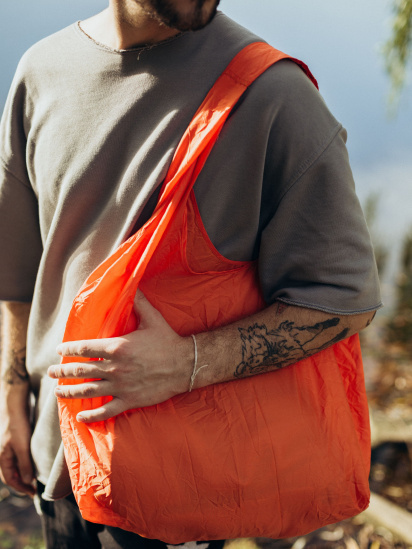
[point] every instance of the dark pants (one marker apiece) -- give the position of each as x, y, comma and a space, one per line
64, 528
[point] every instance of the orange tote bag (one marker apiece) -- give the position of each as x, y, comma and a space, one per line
274, 455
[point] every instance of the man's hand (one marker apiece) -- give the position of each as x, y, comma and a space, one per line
145, 367
16, 468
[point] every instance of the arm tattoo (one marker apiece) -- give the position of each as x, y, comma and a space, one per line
16, 373
263, 349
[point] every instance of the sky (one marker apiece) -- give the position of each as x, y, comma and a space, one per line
340, 41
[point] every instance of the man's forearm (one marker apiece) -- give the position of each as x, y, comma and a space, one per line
153, 363
276, 337
16, 468
14, 377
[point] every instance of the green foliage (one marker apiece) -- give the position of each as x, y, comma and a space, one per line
35, 543
10, 539
6, 541
397, 49
400, 325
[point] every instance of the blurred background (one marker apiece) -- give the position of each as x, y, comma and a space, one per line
344, 44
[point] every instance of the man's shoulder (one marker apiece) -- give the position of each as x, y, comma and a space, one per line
285, 79
48, 50
286, 85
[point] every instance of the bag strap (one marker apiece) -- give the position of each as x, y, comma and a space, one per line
116, 279
198, 139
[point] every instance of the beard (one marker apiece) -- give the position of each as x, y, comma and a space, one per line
166, 13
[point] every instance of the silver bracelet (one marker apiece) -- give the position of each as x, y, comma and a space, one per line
195, 370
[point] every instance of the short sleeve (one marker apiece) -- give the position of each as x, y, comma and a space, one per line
316, 250
20, 241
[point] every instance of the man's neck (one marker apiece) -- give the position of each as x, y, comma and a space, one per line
124, 25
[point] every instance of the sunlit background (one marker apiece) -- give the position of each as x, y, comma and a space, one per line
342, 43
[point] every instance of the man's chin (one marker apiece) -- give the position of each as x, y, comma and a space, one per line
174, 20
192, 26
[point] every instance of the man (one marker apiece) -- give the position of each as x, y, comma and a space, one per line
93, 118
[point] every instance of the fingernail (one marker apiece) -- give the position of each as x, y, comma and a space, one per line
58, 391
51, 372
59, 349
80, 418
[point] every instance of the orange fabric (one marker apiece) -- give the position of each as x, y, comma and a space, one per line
275, 455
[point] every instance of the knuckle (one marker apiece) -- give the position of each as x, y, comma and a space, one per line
78, 371
82, 348
87, 391
64, 392
56, 370
60, 371
112, 371
115, 347
93, 416
69, 392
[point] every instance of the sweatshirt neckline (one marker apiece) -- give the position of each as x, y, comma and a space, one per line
138, 49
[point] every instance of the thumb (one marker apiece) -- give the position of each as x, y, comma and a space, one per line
145, 311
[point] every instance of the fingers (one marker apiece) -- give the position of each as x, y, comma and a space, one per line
91, 389
74, 370
17, 471
110, 409
89, 348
